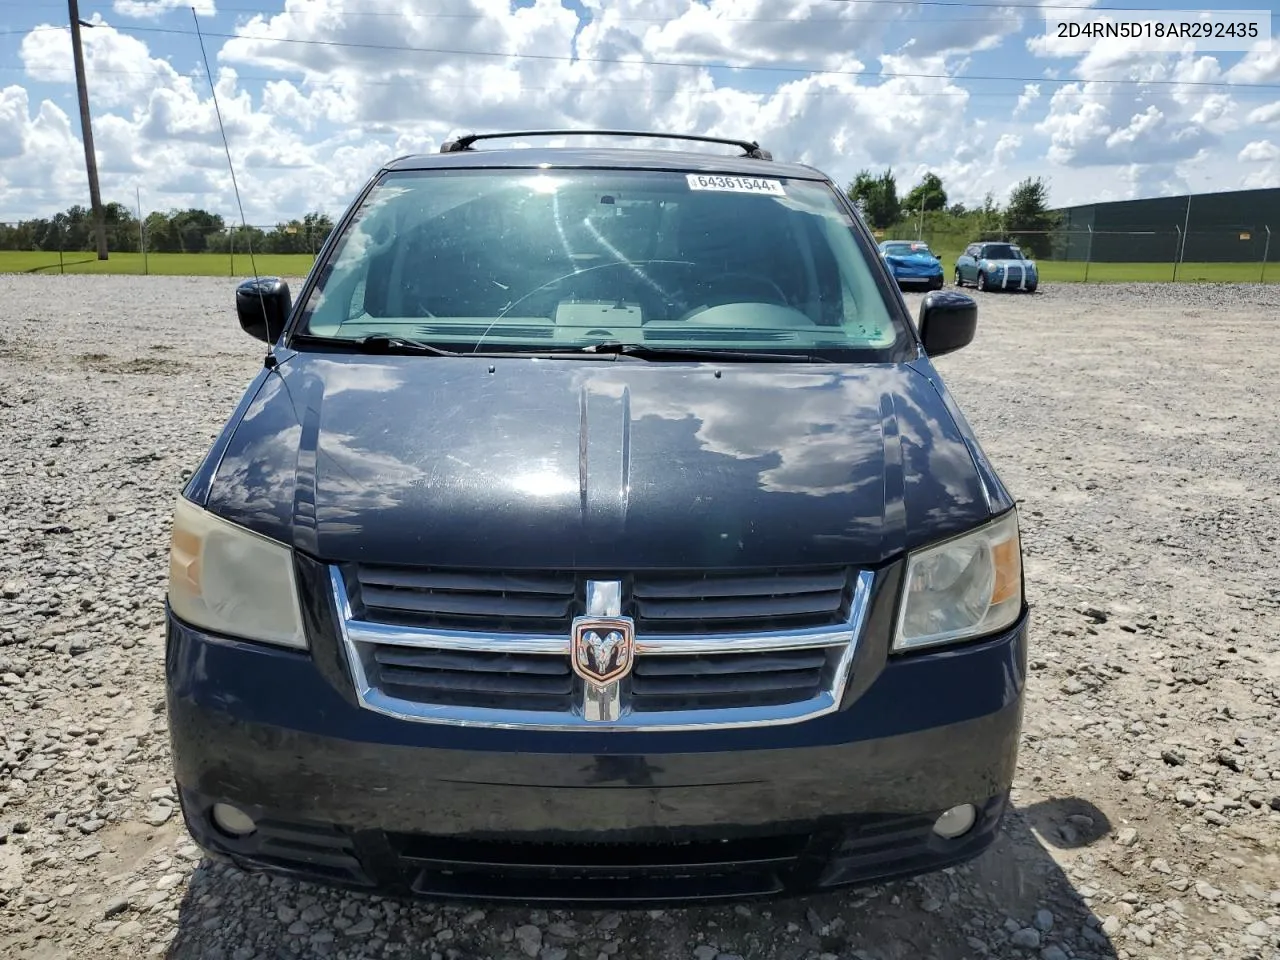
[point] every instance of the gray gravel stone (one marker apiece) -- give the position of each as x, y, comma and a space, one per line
1027, 937
1207, 890
1134, 435
530, 939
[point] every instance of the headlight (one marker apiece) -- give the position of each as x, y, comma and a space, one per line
966, 587
228, 580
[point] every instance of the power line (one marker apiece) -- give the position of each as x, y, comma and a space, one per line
849, 21
959, 4
671, 91
754, 68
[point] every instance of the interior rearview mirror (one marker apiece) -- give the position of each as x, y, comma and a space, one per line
948, 321
263, 306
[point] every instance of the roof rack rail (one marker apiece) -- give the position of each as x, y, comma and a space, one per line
749, 147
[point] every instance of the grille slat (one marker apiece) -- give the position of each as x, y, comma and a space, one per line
472, 661
738, 608
463, 580
697, 686
711, 586
466, 604
458, 681
766, 662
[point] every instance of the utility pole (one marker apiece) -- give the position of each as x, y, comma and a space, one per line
142, 234
86, 130
1186, 226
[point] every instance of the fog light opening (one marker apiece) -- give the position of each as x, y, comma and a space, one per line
956, 822
232, 820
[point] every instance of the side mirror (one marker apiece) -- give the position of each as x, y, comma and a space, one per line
948, 321
263, 305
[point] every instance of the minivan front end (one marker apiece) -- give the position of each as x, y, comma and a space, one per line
405, 761
462, 607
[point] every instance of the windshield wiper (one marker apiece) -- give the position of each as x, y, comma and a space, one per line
645, 352
377, 343
387, 343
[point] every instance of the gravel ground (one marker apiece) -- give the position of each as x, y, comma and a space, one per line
1137, 425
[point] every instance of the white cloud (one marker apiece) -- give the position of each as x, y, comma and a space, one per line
1265, 114
154, 9
1259, 65
759, 31
118, 68
1006, 147
13, 122
45, 175
1030, 94
1259, 151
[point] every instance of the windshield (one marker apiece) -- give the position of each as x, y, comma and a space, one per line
1002, 251
905, 249
555, 260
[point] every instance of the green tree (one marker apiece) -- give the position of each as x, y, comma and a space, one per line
928, 193
122, 228
300, 236
238, 239
1027, 216
989, 218
193, 229
157, 228
879, 197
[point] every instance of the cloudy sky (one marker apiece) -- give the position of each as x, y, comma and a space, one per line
315, 93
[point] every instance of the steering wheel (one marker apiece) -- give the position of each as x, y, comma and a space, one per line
778, 297
557, 281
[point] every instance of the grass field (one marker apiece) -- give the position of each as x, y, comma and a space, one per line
296, 265
162, 264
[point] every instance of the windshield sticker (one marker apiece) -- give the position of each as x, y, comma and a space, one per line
715, 181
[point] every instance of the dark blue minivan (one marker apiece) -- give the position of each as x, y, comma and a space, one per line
597, 531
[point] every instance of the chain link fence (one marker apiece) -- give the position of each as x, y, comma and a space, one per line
161, 247
1234, 254
1244, 254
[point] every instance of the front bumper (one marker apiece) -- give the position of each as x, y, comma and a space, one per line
1015, 279
345, 796
927, 275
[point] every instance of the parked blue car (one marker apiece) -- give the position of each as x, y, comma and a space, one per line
996, 266
911, 261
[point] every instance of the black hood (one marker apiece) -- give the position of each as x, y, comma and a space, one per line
511, 463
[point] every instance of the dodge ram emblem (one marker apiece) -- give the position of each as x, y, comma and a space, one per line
603, 648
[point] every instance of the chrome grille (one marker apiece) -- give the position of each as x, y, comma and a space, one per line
493, 648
